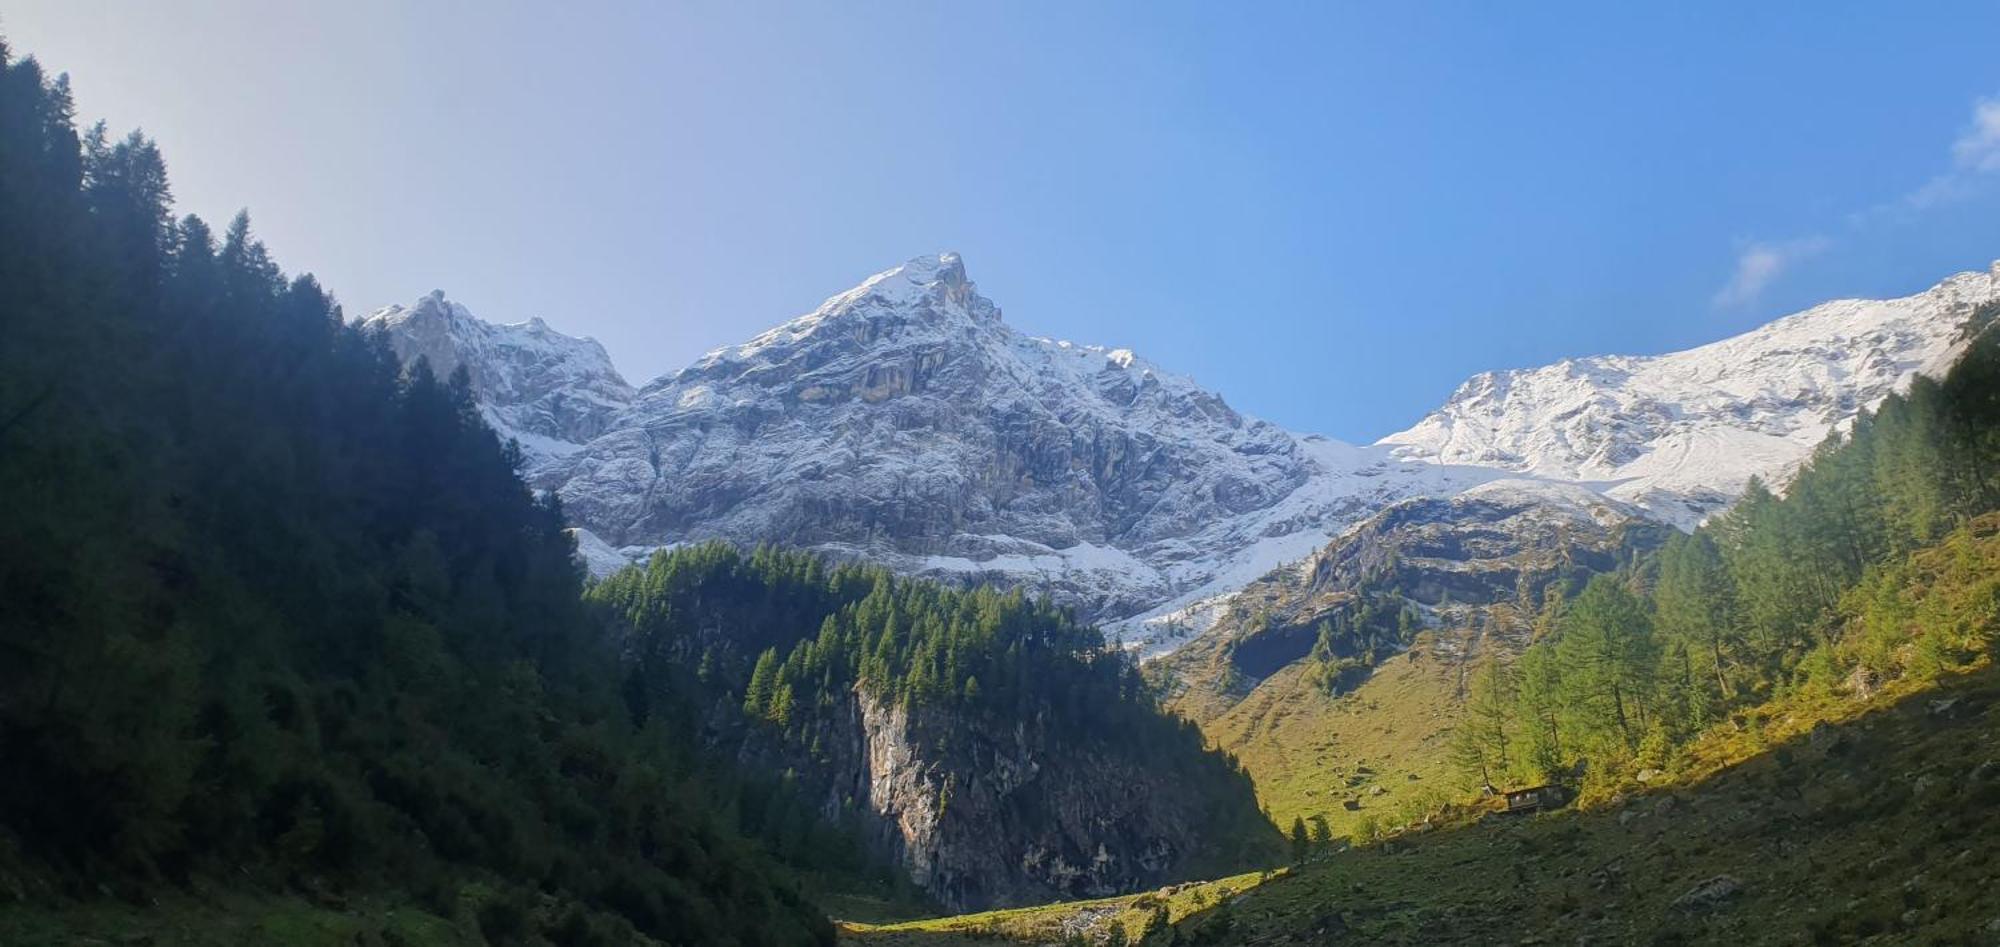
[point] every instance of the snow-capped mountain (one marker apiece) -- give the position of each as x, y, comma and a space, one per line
905, 421
549, 391
1681, 434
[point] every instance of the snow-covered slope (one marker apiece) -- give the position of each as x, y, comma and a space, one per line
905, 421
1681, 434
549, 391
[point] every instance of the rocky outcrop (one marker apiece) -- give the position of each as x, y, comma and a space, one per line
1501, 541
988, 813
1014, 817
1439, 559
1708, 896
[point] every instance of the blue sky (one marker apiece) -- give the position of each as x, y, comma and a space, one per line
1330, 213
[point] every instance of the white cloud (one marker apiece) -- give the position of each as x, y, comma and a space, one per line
1978, 149
1942, 189
1760, 263
1975, 153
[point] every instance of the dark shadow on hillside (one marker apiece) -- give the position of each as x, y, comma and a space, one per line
1876, 827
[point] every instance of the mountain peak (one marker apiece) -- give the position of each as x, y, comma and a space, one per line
923, 293
937, 279
549, 391
946, 268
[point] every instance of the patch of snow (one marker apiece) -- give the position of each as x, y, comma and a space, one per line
597, 556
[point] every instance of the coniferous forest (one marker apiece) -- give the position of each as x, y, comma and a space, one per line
1866, 571
273, 607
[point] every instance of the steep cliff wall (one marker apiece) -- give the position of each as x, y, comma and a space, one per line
981, 812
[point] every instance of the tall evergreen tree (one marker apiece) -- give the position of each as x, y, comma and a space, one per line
1484, 739
1606, 649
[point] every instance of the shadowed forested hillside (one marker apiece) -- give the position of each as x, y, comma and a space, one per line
986, 742
273, 611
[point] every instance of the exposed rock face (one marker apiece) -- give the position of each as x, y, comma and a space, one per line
1013, 817
1496, 542
1681, 434
985, 813
1500, 543
548, 391
1708, 896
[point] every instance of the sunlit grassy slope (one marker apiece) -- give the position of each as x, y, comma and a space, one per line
1824, 822
1383, 746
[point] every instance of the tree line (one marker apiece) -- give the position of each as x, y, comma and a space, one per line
1868, 568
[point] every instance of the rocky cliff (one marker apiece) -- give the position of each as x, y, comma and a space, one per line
1423, 563
981, 811
984, 813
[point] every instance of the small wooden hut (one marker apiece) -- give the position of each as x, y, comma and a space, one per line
1536, 798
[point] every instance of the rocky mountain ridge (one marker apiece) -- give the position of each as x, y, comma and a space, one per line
1681, 434
906, 422
548, 391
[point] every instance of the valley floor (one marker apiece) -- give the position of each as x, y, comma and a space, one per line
1832, 824
1057, 922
